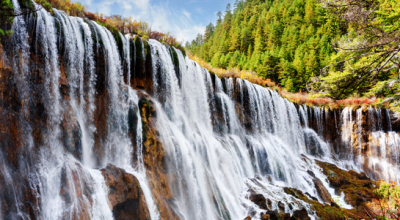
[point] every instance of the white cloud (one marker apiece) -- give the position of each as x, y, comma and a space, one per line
160, 16
187, 14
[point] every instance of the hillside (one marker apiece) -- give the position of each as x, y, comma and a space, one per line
336, 49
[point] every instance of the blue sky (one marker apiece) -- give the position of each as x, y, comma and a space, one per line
183, 18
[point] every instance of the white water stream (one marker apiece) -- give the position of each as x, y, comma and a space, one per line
223, 137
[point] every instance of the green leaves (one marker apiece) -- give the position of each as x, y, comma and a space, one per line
388, 15
280, 40
367, 62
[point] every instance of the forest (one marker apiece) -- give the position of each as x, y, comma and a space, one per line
335, 49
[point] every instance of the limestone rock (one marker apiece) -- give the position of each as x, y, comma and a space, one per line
259, 200
322, 191
281, 206
125, 196
265, 217
301, 214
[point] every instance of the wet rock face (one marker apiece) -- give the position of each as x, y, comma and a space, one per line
260, 200
266, 204
358, 189
155, 160
301, 214
125, 195
75, 192
71, 134
396, 125
141, 65
322, 191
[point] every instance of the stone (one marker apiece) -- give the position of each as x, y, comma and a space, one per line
284, 216
153, 156
311, 173
334, 204
265, 217
273, 215
311, 197
259, 200
126, 198
281, 206
322, 191
71, 133
301, 214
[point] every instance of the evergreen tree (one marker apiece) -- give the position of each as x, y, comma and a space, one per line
287, 41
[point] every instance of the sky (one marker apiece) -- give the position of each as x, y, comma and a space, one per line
183, 18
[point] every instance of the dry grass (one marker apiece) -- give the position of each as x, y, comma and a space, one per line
307, 99
114, 23
357, 101
299, 98
235, 73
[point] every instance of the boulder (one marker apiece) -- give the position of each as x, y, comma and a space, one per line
259, 200
266, 217
322, 191
301, 214
311, 197
281, 206
273, 215
126, 197
75, 191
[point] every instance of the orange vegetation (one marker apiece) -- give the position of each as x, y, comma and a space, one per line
113, 23
304, 98
235, 72
71, 8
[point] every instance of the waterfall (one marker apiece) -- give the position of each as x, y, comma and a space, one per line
79, 109
368, 146
217, 167
66, 174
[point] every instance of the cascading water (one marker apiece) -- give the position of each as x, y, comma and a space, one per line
224, 139
216, 168
366, 140
67, 178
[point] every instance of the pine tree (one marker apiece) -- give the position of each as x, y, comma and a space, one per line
219, 18
272, 38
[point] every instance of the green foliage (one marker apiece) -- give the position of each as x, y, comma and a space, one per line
388, 191
367, 62
287, 41
389, 195
6, 18
6, 9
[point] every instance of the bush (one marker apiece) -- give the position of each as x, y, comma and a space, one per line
389, 194
114, 23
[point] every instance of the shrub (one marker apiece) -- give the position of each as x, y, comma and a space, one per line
114, 22
389, 200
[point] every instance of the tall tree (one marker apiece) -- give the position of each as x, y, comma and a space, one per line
264, 36
368, 54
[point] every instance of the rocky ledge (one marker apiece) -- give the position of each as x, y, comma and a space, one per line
357, 187
126, 198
